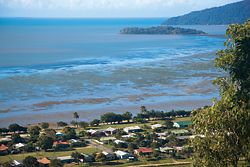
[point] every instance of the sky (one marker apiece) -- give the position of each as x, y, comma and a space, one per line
104, 8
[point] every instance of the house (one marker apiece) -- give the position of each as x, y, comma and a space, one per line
5, 140
61, 144
44, 161
119, 141
19, 145
128, 136
4, 149
96, 133
179, 148
59, 134
182, 124
132, 129
110, 130
143, 151
74, 141
179, 131
166, 149
156, 126
66, 159
123, 154
107, 139
109, 156
88, 158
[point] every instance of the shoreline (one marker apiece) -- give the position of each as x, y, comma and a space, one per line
89, 115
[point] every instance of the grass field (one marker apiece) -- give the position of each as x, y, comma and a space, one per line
42, 154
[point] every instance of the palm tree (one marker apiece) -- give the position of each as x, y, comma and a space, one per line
76, 116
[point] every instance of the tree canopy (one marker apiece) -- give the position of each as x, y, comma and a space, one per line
226, 123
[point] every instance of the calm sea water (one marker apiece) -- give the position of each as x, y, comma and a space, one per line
61, 65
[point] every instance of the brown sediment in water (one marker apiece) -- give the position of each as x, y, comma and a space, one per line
131, 98
88, 115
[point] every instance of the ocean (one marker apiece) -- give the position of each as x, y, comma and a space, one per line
57, 66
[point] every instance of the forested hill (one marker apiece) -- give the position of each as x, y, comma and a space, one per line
237, 12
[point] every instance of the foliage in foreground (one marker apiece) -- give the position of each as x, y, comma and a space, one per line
226, 123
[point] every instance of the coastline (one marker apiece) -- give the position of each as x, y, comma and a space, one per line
88, 115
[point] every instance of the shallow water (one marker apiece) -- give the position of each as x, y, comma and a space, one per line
64, 65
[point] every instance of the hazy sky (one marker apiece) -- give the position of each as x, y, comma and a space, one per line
104, 8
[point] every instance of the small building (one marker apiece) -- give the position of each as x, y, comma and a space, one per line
166, 150
88, 158
4, 149
123, 154
96, 133
131, 135
19, 145
110, 130
182, 124
16, 163
132, 129
119, 141
106, 140
109, 156
59, 134
156, 126
179, 131
74, 141
143, 151
66, 159
61, 144
44, 161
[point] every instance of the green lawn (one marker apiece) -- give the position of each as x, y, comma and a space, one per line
42, 154
125, 163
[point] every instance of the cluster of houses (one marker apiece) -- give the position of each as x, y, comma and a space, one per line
107, 136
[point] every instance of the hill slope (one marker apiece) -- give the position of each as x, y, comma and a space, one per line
237, 12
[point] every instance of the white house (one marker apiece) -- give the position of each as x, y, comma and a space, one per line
119, 141
155, 126
110, 130
166, 149
132, 129
123, 154
19, 145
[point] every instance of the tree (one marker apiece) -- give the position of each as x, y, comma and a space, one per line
168, 124
61, 124
143, 109
30, 161
100, 157
16, 138
55, 163
69, 132
74, 123
44, 125
77, 156
15, 127
34, 132
45, 142
95, 122
226, 123
127, 116
76, 116
83, 124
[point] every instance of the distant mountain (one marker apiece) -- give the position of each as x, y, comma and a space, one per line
237, 12
161, 30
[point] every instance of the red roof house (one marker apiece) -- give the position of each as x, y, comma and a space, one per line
44, 161
3, 149
143, 151
61, 144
